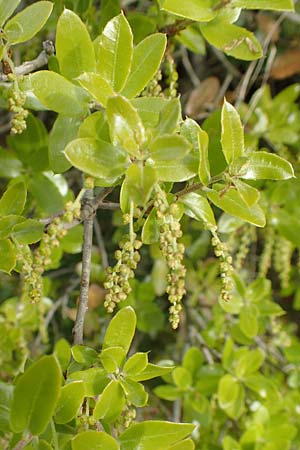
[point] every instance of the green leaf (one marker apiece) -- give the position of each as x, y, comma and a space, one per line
232, 203
6, 391
135, 364
135, 392
150, 231
149, 110
146, 60
115, 52
249, 363
192, 39
197, 207
13, 200
168, 392
95, 126
58, 94
182, 378
95, 380
229, 443
46, 194
187, 444
7, 262
264, 165
193, 360
28, 232
110, 403
248, 321
6, 9
84, 355
150, 435
113, 358
151, 371
204, 169
24, 25
74, 48
139, 182
231, 396
63, 131
201, 11
168, 147
96, 440
7, 223
233, 40
121, 329
277, 5
169, 116
232, 138
126, 128
62, 351
69, 402
97, 86
35, 396
249, 194
97, 158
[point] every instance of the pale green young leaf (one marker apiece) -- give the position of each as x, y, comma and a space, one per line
204, 169
248, 322
147, 56
58, 94
126, 128
230, 444
115, 52
95, 126
277, 5
249, 194
97, 158
193, 360
153, 435
95, 380
110, 403
121, 329
112, 358
231, 395
151, 371
74, 48
28, 232
64, 130
35, 396
96, 440
169, 116
24, 25
174, 170
13, 200
232, 203
149, 110
168, 392
187, 444
233, 40
139, 182
62, 351
84, 355
6, 9
232, 138
97, 86
135, 392
69, 402
135, 364
8, 263
168, 147
249, 363
182, 378
264, 165
150, 231
7, 223
201, 11
197, 207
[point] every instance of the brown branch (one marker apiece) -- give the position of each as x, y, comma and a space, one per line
175, 28
21, 444
88, 214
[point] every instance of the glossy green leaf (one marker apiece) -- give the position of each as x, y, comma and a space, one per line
35, 396
249, 194
8, 261
95, 380
168, 147
139, 182
135, 392
6, 9
110, 403
28, 232
84, 355
197, 207
97, 86
264, 165
169, 116
58, 94
231, 396
192, 39
7, 223
248, 321
279, 5
115, 52
74, 48
149, 110
63, 131
97, 158
126, 128
13, 200
62, 351
121, 329
95, 126
232, 138
182, 378
151, 371
204, 169
150, 231
136, 364
24, 25
150, 435
232, 203
201, 11
173, 170
187, 444
233, 40
113, 358
96, 440
46, 193
146, 60
69, 401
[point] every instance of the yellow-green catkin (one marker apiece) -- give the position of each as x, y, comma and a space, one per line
226, 269
16, 101
153, 89
171, 76
265, 260
173, 251
248, 236
282, 254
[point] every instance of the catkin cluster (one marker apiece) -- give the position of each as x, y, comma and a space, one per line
171, 77
173, 251
16, 102
153, 89
266, 256
226, 269
247, 238
282, 254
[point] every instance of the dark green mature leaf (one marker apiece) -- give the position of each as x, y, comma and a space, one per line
96, 440
6, 391
197, 207
201, 11
28, 231
279, 5
46, 193
232, 138
8, 262
115, 52
146, 60
97, 158
74, 48
108, 10
97, 86
6, 9
233, 40
13, 200
58, 94
153, 435
24, 25
120, 330
110, 403
69, 402
264, 165
63, 131
35, 396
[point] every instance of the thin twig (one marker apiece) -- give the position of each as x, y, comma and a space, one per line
21, 444
100, 242
88, 213
188, 67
